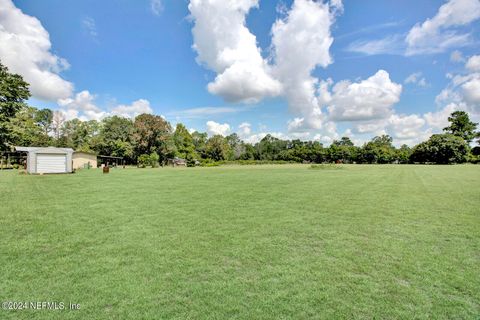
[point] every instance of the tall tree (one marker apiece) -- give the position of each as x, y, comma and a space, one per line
269, 148
200, 142
25, 130
153, 134
237, 147
184, 144
44, 118
344, 141
379, 150
461, 126
115, 138
13, 93
217, 148
442, 149
78, 135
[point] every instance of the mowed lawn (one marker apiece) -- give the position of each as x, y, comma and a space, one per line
244, 242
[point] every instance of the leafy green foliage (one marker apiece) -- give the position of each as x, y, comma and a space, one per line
217, 148
13, 93
153, 134
143, 160
44, 119
442, 149
115, 138
185, 148
154, 158
379, 150
25, 130
461, 126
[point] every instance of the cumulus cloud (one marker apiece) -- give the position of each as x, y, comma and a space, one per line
82, 106
26, 49
244, 129
372, 98
463, 89
225, 45
214, 128
440, 33
473, 63
439, 119
471, 92
406, 127
131, 111
301, 42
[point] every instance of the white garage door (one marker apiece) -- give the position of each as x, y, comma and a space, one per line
51, 163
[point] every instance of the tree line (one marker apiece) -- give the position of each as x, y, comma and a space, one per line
150, 139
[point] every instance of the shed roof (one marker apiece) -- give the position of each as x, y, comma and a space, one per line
44, 149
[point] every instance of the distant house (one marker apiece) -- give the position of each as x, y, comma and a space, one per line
48, 159
84, 160
176, 162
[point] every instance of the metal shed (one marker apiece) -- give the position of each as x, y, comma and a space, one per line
48, 159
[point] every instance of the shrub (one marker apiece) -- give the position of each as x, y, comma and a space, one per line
143, 160
154, 158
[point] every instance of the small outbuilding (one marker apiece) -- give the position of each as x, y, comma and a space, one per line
177, 162
84, 160
48, 159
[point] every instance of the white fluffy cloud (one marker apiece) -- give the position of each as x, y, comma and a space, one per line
131, 111
81, 106
406, 127
473, 63
464, 89
214, 128
439, 119
372, 98
226, 46
25, 49
439, 33
471, 92
301, 42
244, 129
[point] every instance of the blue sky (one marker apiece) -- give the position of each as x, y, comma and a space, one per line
298, 69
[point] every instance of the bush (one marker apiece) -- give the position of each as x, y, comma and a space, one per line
143, 161
154, 158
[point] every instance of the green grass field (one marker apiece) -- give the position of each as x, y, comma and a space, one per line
244, 242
